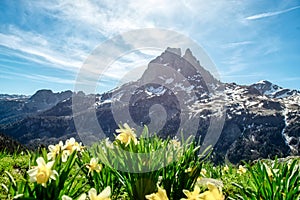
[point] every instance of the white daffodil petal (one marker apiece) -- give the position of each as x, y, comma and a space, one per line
53, 175
32, 174
105, 193
50, 164
82, 197
49, 156
40, 161
65, 197
92, 193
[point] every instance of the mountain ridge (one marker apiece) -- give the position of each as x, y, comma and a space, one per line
261, 120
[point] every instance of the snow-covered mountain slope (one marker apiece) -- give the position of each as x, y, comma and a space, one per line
274, 91
261, 120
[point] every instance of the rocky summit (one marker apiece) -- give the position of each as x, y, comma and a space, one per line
261, 120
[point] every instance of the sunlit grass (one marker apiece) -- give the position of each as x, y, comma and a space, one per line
180, 172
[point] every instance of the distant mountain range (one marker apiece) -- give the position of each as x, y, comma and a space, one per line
261, 120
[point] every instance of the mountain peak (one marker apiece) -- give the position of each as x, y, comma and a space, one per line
176, 51
45, 99
188, 56
41, 94
263, 82
171, 54
186, 65
271, 90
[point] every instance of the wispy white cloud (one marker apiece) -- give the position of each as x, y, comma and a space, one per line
236, 44
106, 17
81, 23
128, 67
36, 47
270, 14
236, 62
78, 27
36, 77
5, 60
267, 46
30, 59
50, 79
241, 55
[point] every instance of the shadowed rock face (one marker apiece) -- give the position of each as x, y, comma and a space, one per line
45, 99
14, 108
261, 120
9, 145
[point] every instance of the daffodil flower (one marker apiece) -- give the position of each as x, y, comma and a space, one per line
43, 172
161, 194
188, 170
226, 168
173, 151
126, 135
270, 172
54, 150
203, 172
213, 193
94, 166
70, 146
81, 197
194, 195
104, 195
109, 144
65, 197
175, 143
241, 170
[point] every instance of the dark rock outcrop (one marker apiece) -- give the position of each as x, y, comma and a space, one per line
9, 145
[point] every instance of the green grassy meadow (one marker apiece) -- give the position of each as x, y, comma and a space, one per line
69, 170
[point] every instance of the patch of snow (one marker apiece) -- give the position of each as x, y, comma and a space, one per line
261, 82
251, 103
229, 116
251, 126
155, 91
169, 80
117, 96
260, 105
107, 101
189, 89
287, 138
272, 91
238, 113
253, 138
99, 103
179, 85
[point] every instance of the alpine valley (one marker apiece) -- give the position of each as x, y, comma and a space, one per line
261, 120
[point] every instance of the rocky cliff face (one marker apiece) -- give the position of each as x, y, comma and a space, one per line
45, 99
260, 121
17, 107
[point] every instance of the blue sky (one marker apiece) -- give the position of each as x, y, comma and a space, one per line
43, 44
